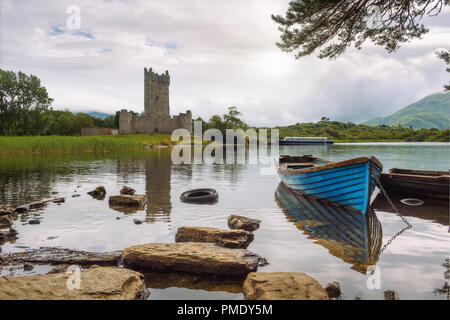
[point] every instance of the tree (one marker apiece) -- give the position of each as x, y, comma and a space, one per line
82, 120
334, 25
445, 55
23, 104
232, 120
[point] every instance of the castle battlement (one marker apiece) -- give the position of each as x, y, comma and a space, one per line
151, 76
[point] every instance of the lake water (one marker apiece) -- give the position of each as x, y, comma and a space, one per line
412, 265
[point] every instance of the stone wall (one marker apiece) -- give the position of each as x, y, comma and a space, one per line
131, 123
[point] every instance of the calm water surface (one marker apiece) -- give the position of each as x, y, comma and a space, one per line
412, 265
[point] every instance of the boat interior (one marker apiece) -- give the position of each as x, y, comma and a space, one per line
301, 162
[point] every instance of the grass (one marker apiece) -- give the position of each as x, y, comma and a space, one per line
69, 144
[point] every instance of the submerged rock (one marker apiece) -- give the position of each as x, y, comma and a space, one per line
191, 257
333, 289
137, 200
64, 256
34, 221
98, 193
127, 190
239, 222
107, 283
223, 238
282, 286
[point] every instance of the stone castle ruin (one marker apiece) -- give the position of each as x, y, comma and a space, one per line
156, 117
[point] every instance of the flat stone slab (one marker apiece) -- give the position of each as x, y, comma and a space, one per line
48, 255
102, 283
191, 257
282, 286
244, 223
223, 238
136, 200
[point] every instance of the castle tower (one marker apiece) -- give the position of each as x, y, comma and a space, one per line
156, 94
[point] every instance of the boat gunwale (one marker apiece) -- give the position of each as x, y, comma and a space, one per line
327, 166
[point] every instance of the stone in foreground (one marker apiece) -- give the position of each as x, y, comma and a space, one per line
105, 283
191, 257
55, 256
223, 238
244, 223
137, 200
282, 286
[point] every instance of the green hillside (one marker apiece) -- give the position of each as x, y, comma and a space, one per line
431, 112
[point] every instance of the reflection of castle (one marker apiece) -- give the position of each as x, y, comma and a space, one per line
156, 118
347, 234
158, 167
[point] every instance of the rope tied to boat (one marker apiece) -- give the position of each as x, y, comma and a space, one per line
408, 225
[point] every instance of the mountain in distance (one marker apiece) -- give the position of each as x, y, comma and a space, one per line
100, 115
432, 111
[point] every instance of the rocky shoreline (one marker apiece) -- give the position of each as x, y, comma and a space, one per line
201, 257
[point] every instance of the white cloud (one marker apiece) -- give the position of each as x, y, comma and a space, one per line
218, 54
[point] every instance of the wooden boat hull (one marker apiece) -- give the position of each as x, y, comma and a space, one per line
429, 184
349, 183
351, 236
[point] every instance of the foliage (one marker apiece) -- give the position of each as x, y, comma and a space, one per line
230, 120
59, 144
25, 110
23, 102
340, 131
334, 25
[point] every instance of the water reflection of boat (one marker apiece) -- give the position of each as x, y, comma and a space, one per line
347, 234
349, 183
433, 209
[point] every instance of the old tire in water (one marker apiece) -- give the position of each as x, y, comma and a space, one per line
199, 196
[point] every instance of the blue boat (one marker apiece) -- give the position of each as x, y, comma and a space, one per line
347, 234
349, 183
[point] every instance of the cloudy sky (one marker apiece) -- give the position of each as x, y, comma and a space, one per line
218, 53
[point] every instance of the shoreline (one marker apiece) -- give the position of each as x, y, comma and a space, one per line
32, 145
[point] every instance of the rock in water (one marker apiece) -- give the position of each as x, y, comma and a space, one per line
223, 238
239, 222
127, 190
137, 200
106, 283
5, 210
282, 286
191, 257
137, 221
333, 289
64, 256
6, 220
98, 193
